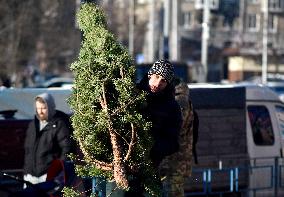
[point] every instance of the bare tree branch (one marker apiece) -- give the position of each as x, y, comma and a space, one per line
132, 142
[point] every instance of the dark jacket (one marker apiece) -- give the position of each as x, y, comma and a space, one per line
164, 113
52, 142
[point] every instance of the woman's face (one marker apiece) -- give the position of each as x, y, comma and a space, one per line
157, 83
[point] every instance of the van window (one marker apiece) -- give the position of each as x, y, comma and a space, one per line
280, 117
261, 125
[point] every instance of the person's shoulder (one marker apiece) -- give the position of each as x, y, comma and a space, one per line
60, 115
181, 89
61, 118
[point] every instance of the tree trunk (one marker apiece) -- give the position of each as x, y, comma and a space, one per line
119, 171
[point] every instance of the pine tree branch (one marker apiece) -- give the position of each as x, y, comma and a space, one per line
103, 100
132, 143
119, 170
99, 164
77, 97
121, 72
121, 136
120, 109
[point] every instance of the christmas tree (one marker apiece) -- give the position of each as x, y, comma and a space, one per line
108, 126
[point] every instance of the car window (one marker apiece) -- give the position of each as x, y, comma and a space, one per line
261, 125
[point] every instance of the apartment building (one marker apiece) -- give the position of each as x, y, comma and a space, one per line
248, 62
236, 36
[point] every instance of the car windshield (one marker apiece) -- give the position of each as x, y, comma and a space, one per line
278, 90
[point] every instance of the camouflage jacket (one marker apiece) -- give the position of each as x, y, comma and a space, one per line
180, 163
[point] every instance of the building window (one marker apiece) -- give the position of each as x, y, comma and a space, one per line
261, 125
187, 20
252, 22
272, 23
274, 4
214, 4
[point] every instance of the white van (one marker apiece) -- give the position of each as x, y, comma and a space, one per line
241, 141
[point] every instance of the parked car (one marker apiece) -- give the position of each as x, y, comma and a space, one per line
64, 82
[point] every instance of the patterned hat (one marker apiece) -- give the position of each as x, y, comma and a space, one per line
163, 68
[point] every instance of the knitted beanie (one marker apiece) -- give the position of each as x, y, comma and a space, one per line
163, 68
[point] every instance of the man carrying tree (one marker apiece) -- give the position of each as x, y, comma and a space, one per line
163, 112
177, 167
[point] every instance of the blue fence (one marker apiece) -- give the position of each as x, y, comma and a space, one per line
244, 179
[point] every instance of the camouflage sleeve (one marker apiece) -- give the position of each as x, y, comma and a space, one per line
181, 162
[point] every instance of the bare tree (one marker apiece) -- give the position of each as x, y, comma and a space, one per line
39, 32
15, 33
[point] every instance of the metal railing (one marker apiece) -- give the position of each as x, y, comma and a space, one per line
251, 178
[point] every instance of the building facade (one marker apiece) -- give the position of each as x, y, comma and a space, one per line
235, 41
236, 36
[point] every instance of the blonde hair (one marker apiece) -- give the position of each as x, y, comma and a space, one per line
41, 100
